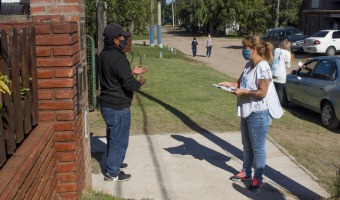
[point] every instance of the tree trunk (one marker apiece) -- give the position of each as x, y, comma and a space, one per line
211, 28
132, 26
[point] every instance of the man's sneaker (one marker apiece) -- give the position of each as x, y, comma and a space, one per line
120, 177
255, 184
123, 165
240, 176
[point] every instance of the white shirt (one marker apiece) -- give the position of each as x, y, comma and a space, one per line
209, 42
281, 62
249, 81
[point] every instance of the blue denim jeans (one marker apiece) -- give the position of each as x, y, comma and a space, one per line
117, 135
254, 129
209, 51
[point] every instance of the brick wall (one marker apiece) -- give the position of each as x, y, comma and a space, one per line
68, 163
58, 54
59, 51
68, 10
31, 172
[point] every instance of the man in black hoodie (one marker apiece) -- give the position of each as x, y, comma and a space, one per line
117, 84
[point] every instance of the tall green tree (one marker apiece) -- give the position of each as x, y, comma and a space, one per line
253, 16
289, 10
90, 17
128, 13
214, 13
133, 15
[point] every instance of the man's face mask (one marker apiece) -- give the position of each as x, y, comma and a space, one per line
123, 43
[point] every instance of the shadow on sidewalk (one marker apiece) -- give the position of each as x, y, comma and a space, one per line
279, 178
198, 151
98, 152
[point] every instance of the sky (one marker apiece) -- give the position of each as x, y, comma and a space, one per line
168, 1
13, 1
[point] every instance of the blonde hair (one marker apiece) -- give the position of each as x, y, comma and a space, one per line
286, 45
264, 49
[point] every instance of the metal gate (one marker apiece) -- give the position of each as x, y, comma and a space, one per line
91, 72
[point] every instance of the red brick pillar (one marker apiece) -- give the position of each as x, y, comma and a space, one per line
61, 49
58, 56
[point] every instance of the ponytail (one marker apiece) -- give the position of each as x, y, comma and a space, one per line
269, 52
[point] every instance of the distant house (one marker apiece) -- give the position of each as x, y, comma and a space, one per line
14, 7
318, 15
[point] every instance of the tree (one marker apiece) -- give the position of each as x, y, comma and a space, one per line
289, 10
90, 17
129, 14
253, 16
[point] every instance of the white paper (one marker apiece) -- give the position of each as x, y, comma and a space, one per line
228, 89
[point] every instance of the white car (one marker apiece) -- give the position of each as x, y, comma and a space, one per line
325, 42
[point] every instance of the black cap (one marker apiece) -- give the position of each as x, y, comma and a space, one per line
115, 30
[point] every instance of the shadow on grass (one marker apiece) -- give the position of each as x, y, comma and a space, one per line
279, 178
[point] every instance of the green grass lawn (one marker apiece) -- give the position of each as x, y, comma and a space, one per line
179, 97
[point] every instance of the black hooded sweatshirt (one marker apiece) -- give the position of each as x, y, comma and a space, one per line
116, 79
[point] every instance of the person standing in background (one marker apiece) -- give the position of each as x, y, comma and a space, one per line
194, 44
282, 59
209, 43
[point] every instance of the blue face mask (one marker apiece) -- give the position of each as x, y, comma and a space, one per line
246, 53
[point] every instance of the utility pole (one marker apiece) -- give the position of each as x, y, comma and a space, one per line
277, 14
173, 14
151, 25
159, 31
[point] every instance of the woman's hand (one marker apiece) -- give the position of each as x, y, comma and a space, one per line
228, 84
139, 70
240, 92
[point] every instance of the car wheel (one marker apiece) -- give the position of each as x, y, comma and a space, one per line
328, 117
285, 101
330, 51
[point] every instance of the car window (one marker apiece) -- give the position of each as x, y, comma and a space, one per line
320, 34
281, 35
295, 32
325, 70
336, 34
308, 69
290, 32
273, 34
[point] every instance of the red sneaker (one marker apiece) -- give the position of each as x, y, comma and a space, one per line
240, 176
255, 184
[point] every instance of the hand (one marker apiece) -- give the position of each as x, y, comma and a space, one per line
139, 70
240, 92
142, 80
226, 84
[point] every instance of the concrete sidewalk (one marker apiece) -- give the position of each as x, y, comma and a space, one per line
198, 166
